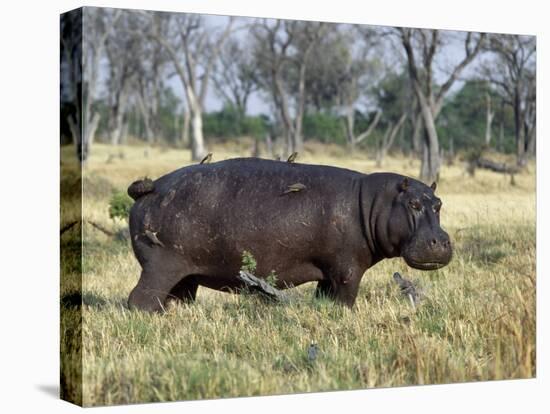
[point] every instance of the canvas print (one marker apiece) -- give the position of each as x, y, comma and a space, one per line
254, 206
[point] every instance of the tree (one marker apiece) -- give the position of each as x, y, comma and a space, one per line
71, 79
421, 47
464, 116
168, 115
490, 114
149, 85
98, 24
324, 78
193, 49
359, 73
283, 54
512, 71
388, 138
392, 96
235, 75
125, 54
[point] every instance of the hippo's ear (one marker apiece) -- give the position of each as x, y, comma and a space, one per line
433, 186
404, 184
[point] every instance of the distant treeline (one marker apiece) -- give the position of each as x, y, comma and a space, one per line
462, 124
153, 76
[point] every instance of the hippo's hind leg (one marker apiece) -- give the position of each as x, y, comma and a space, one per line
161, 273
185, 290
152, 290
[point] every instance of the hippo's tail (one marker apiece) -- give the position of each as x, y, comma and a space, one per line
141, 187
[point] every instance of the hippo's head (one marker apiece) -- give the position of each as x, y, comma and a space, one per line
414, 227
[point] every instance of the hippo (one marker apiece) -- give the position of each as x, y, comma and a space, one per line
305, 223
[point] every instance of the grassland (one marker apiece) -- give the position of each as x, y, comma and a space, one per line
476, 323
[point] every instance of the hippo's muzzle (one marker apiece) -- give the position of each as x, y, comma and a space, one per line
429, 251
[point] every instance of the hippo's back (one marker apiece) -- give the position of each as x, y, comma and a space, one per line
241, 173
221, 209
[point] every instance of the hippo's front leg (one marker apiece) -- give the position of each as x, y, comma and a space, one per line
341, 285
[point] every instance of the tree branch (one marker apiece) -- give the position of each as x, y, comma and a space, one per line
371, 127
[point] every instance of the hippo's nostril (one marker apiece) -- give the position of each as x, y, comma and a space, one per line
433, 242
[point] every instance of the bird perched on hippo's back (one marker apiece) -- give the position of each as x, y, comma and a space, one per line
292, 157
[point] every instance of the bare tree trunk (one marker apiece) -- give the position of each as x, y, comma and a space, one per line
289, 143
76, 131
518, 128
297, 136
531, 137
416, 137
530, 122
198, 150
185, 127
90, 121
281, 101
430, 157
255, 149
373, 124
118, 116
432, 172
531, 143
89, 133
350, 125
269, 145
149, 134
488, 121
389, 138
124, 131
425, 159
380, 150
501, 137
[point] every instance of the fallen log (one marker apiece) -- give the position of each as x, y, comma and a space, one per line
257, 285
101, 228
497, 166
68, 227
122, 235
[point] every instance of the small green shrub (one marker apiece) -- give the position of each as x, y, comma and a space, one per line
271, 278
248, 262
120, 205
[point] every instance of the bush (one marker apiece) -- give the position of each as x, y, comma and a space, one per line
231, 123
120, 205
248, 262
324, 127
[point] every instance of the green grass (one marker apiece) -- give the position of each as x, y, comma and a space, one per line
476, 323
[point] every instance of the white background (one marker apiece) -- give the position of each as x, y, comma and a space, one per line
29, 217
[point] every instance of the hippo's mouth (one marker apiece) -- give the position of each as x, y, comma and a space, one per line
425, 265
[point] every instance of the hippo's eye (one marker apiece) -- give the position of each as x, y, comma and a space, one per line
437, 207
415, 205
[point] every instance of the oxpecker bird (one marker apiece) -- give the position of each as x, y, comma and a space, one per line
207, 159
